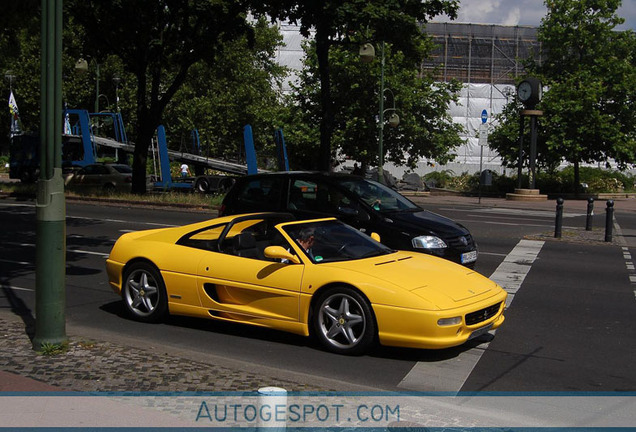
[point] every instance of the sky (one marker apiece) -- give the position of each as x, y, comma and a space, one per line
522, 12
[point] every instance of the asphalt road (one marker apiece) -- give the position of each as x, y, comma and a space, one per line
569, 328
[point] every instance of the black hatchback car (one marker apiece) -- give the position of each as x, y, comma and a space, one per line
362, 203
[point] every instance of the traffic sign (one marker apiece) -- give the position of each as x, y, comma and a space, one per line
483, 134
484, 116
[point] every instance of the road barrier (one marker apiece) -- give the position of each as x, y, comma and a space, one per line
590, 214
559, 218
609, 220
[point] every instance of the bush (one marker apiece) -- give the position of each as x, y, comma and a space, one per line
597, 181
439, 179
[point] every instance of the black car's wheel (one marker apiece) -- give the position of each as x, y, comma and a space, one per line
343, 321
144, 293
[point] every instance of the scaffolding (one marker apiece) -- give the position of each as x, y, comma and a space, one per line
488, 60
480, 54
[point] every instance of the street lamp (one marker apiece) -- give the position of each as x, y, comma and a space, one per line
367, 54
117, 80
9, 77
82, 66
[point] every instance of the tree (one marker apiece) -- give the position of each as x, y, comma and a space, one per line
505, 139
588, 69
158, 41
241, 87
336, 22
425, 129
20, 48
19, 45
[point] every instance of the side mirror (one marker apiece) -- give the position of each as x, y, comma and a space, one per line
375, 236
278, 252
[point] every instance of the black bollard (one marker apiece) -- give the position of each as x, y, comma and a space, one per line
559, 218
609, 220
590, 214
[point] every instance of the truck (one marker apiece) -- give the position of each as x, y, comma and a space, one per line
89, 137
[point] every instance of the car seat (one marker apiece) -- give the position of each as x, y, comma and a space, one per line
245, 245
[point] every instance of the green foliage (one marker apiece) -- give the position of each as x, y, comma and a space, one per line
425, 129
589, 73
48, 349
598, 181
464, 182
219, 99
338, 23
158, 42
439, 179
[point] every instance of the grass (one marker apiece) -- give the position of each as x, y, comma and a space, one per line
48, 349
156, 198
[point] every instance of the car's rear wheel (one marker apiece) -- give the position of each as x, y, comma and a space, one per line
144, 293
202, 185
344, 322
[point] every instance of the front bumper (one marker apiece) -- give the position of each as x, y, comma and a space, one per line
412, 328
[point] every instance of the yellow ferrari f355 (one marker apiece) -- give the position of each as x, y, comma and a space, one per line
319, 277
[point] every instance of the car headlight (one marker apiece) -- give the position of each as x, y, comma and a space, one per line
428, 242
449, 321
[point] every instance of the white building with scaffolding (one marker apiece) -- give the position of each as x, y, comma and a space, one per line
486, 59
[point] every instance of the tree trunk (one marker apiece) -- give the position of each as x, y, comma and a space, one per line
140, 156
326, 105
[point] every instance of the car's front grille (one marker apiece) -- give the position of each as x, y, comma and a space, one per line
482, 314
462, 242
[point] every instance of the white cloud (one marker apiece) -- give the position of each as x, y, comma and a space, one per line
513, 17
521, 12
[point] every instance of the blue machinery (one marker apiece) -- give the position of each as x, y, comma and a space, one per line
80, 149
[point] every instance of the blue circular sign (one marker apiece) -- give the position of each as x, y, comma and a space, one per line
484, 116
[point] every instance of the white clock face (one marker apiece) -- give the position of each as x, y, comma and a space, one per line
524, 91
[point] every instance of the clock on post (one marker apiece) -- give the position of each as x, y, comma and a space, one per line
529, 92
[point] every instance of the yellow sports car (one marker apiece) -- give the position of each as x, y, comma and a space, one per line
318, 277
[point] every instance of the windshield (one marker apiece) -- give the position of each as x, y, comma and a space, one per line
330, 241
378, 196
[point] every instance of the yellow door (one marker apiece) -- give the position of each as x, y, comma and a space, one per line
249, 289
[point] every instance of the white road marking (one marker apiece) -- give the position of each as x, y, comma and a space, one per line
503, 223
162, 225
513, 270
450, 375
88, 252
492, 254
510, 211
17, 288
82, 251
15, 262
17, 205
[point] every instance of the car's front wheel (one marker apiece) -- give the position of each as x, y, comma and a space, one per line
344, 322
144, 293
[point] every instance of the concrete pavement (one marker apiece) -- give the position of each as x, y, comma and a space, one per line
93, 364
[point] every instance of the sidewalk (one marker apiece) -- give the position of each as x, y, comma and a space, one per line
106, 366
101, 366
